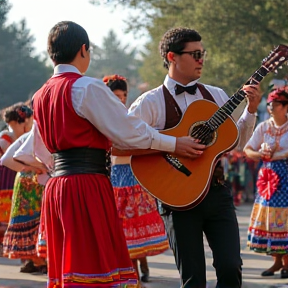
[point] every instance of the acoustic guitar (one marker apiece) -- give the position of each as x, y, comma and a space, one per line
182, 183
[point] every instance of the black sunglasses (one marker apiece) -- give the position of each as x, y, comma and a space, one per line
280, 102
197, 55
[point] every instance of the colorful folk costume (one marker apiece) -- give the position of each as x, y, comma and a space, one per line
7, 178
21, 237
268, 229
85, 241
143, 226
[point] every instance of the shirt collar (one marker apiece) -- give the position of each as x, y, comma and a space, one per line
275, 125
170, 84
64, 68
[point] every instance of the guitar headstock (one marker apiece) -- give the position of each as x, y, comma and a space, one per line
276, 58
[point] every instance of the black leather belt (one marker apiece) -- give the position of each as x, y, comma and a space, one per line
79, 161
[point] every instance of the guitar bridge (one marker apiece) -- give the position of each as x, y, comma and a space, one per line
177, 164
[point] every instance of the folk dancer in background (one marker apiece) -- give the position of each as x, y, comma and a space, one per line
268, 229
143, 226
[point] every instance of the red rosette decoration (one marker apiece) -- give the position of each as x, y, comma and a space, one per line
267, 182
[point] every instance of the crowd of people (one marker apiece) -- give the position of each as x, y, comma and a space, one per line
74, 210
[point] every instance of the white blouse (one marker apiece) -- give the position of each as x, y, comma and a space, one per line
275, 136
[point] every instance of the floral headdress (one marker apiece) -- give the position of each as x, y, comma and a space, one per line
115, 81
111, 78
278, 95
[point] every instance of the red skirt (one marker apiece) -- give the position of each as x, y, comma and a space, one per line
7, 178
85, 242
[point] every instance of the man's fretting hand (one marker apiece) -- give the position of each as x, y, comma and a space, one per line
253, 95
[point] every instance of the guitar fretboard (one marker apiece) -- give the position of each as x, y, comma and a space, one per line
227, 109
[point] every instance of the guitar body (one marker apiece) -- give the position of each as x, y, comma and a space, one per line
173, 187
182, 183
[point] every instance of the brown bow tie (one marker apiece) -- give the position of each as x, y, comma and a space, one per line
189, 89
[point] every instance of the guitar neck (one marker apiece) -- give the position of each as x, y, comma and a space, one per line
227, 109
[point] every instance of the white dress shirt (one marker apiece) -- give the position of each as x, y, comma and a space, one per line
150, 107
94, 101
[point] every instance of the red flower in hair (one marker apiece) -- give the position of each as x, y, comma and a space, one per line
21, 112
267, 182
280, 95
112, 78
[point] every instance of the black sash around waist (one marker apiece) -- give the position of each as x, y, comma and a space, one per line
79, 161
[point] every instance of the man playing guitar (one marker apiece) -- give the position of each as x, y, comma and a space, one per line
162, 108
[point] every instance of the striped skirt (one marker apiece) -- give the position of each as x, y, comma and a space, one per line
268, 229
22, 233
143, 226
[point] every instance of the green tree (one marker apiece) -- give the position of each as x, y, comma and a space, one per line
21, 73
113, 58
237, 34
5, 7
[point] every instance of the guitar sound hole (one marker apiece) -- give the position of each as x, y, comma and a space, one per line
203, 133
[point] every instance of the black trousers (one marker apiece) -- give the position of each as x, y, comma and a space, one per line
215, 216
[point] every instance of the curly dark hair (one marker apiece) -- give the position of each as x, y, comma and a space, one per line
115, 82
17, 112
174, 40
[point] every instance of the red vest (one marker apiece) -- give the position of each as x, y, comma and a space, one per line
60, 126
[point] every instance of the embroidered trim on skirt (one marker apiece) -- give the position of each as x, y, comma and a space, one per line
268, 229
143, 226
85, 240
22, 233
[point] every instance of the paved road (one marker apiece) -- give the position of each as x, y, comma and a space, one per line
163, 270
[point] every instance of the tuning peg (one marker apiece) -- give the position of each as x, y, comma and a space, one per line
276, 72
280, 67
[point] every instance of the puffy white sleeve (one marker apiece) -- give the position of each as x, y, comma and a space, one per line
98, 104
257, 138
7, 158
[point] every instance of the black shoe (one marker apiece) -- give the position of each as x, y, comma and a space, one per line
41, 270
28, 268
267, 273
145, 277
284, 273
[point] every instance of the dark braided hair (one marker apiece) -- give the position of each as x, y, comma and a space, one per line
174, 40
